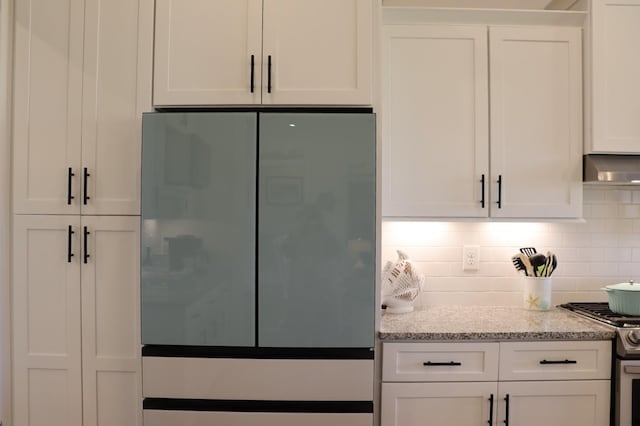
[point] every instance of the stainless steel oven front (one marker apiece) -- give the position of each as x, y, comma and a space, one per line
628, 392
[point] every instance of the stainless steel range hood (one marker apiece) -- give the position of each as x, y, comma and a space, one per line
611, 169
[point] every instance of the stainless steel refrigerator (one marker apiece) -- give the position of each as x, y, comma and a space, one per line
258, 229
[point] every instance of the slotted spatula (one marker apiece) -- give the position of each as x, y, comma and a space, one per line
517, 262
528, 268
529, 251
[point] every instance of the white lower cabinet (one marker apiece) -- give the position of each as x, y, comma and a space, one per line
76, 350
437, 404
554, 403
568, 384
549, 403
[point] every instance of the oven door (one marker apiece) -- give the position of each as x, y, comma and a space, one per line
628, 393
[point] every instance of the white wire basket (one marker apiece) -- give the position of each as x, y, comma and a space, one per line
401, 285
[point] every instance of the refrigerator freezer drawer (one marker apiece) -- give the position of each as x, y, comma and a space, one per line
203, 418
258, 379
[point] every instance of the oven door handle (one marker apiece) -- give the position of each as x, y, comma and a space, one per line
632, 369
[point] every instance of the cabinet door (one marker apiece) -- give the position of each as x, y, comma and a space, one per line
47, 388
112, 390
204, 51
316, 230
199, 223
319, 51
117, 89
536, 122
47, 106
438, 404
435, 138
615, 68
557, 403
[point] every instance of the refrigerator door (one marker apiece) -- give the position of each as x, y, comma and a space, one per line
198, 229
316, 232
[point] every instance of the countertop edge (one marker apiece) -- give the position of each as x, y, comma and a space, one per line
498, 336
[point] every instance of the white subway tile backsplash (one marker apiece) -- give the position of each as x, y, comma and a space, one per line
601, 250
617, 254
628, 271
618, 196
604, 211
629, 211
594, 195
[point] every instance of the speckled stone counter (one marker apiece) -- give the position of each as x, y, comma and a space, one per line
490, 323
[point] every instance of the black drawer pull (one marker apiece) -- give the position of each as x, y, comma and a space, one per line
70, 175
499, 202
252, 71
482, 184
86, 234
506, 410
490, 410
70, 233
566, 361
437, 364
85, 176
269, 74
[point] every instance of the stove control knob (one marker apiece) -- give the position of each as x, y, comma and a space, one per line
634, 337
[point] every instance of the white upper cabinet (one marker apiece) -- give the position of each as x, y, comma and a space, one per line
320, 52
82, 80
285, 52
47, 105
536, 121
116, 91
435, 120
207, 52
482, 121
615, 67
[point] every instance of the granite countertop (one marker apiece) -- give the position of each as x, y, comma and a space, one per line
490, 323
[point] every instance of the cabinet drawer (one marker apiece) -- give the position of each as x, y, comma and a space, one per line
207, 418
439, 362
555, 360
257, 379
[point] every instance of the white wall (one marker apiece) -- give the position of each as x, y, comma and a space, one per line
604, 249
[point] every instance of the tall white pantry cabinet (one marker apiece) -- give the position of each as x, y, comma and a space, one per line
82, 78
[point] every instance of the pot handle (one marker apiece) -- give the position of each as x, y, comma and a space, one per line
608, 290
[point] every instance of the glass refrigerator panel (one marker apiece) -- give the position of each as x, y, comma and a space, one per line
316, 232
198, 229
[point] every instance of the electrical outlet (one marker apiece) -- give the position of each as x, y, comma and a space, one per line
470, 258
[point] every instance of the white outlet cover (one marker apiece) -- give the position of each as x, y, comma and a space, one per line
470, 258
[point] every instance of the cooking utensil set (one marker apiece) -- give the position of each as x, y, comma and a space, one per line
535, 264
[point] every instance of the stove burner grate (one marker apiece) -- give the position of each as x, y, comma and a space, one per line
601, 312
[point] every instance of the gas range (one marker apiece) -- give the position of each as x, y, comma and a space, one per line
627, 327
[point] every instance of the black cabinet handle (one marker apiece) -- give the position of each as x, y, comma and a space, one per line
253, 58
490, 410
506, 410
86, 245
434, 364
70, 175
499, 202
566, 361
269, 74
85, 196
482, 200
69, 243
